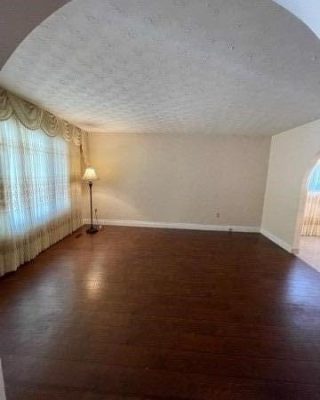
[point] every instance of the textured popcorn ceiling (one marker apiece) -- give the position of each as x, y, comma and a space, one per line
187, 66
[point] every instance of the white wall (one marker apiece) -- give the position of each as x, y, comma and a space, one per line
180, 179
292, 155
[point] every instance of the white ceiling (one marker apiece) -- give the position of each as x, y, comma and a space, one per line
171, 66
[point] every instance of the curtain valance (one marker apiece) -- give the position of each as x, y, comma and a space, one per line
34, 117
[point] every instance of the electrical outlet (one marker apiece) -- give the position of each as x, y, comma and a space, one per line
218, 214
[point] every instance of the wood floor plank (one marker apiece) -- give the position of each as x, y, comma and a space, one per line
135, 313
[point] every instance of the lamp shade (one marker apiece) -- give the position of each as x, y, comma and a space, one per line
89, 175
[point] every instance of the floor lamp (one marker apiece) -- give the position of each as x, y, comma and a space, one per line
90, 176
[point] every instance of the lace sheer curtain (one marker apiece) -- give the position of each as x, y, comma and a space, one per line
311, 220
40, 192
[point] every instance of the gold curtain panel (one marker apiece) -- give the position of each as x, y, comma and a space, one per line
33, 117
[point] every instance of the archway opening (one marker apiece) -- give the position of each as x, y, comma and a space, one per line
309, 246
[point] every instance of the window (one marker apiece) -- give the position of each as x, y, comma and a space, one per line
314, 179
34, 184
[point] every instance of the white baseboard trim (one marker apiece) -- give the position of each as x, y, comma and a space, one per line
277, 241
176, 225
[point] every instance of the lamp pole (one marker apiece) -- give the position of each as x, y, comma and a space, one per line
92, 229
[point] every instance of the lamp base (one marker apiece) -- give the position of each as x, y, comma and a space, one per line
92, 230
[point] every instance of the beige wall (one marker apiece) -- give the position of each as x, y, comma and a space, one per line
180, 179
292, 155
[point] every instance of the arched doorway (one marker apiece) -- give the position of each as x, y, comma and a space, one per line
309, 229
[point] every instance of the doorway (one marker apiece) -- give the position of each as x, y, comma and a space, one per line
309, 248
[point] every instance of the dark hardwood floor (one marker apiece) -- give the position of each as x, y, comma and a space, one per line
135, 313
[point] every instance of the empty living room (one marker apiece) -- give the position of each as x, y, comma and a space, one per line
160, 200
